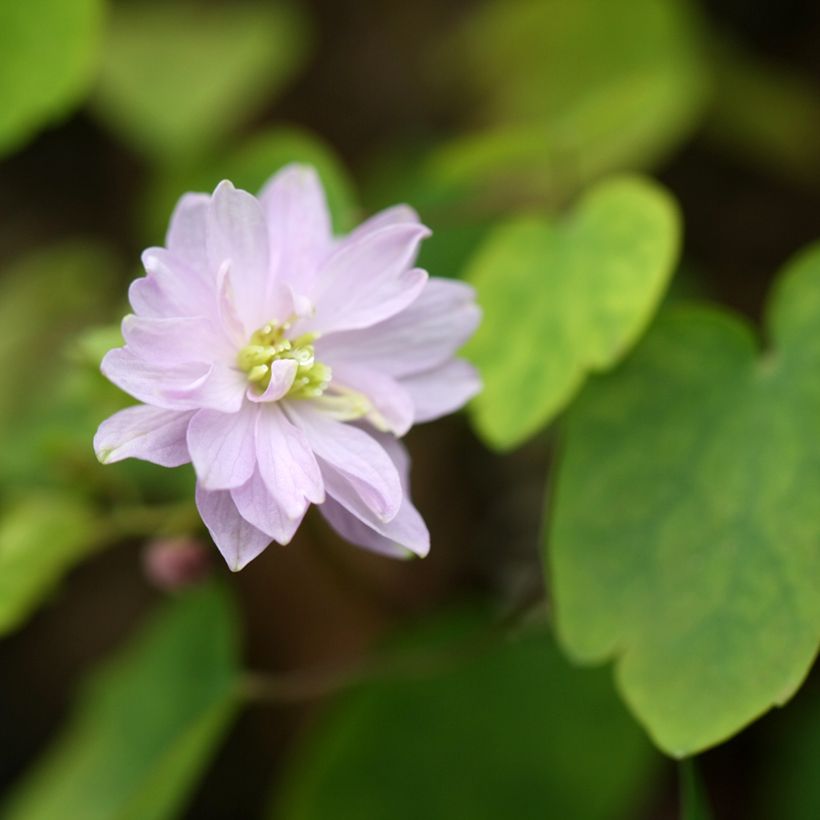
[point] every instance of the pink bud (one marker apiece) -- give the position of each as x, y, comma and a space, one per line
174, 563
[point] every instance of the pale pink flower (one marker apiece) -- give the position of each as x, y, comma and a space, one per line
285, 364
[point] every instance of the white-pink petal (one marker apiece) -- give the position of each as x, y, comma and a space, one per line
282, 374
286, 462
441, 391
236, 231
257, 505
144, 432
368, 279
354, 454
222, 447
299, 226
422, 336
177, 340
187, 231
237, 539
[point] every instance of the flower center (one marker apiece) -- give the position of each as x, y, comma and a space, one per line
269, 344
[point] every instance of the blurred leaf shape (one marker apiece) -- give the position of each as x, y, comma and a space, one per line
178, 78
563, 298
766, 114
567, 92
685, 536
146, 724
41, 536
509, 731
694, 802
49, 51
45, 297
249, 166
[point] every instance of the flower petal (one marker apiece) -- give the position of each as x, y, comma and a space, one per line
422, 336
286, 462
441, 391
172, 287
176, 340
405, 534
144, 432
368, 279
392, 405
299, 225
282, 374
259, 507
354, 455
187, 231
396, 215
237, 231
222, 447
238, 540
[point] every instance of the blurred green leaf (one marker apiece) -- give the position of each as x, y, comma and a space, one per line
567, 92
146, 725
694, 802
178, 78
766, 114
561, 299
41, 537
48, 54
44, 298
510, 732
249, 167
685, 536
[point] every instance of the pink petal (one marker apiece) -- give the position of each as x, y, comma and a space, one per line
144, 432
299, 225
422, 336
397, 215
177, 340
368, 279
222, 447
356, 523
168, 386
237, 232
441, 391
172, 287
392, 404
286, 462
187, 232
223, 390
238, 540
282, 374
354, 455
259, 507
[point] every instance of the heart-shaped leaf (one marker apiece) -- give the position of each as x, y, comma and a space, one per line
48, 53
563, 298
685, 535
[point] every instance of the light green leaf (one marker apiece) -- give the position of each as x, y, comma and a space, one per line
564, 298
41, 537
146, 725
568, 91
685, 534
512, 731
48, 54
249, 167
179, 77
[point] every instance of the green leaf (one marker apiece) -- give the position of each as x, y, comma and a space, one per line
178, 78
511, 731
694, 802
146, 725
41, 537
48, 55
249, 167
567, 92
44, 298
564, 298
685, 538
